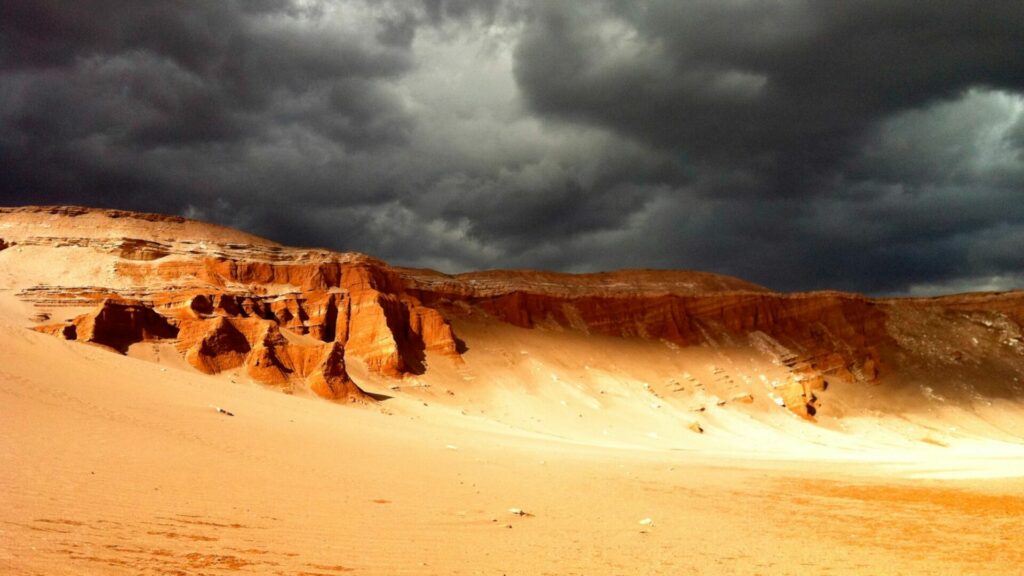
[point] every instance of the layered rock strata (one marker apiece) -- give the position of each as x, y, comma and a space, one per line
284, 316
332, 310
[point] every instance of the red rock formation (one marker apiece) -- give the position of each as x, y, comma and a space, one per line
375, 324
215, 345
263, 363
432, 329
832, 334
331, 381
116, 324
136, 249
66, 331
290, 316
1010, 304
391, 321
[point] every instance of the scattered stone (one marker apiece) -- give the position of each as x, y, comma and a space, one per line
695, 426
519, 512
647, 522
221, 410
743, 398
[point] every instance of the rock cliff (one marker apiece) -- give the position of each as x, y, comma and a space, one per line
298, 317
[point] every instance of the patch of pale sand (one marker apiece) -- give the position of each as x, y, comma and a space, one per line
110, 465
626, 394
29, 266
965, 460
25, 224
164, 354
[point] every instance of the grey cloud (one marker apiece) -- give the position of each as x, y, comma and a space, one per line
782, 89
867, 145
206, 89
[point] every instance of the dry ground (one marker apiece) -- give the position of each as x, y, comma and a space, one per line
119, 465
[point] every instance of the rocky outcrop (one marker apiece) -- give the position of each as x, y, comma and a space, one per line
136, 249
227, 315
620, 283
1009, 304
116, 324
826, 335
230, 313
290, 317
331, 381
429, 328
216, 345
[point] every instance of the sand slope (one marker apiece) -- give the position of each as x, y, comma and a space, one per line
113, 465
119, 463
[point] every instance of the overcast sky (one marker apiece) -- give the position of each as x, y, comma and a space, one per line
875, 146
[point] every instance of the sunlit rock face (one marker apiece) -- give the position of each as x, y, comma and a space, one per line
291, 317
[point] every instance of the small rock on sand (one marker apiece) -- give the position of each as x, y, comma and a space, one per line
743, 398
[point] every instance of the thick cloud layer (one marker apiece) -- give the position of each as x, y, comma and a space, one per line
866, 145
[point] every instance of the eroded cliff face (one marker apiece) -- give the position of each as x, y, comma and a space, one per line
227, 301
820, 337
115, 323
282, 323
294, 317
227, 313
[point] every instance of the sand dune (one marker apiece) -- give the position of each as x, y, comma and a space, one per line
120, 463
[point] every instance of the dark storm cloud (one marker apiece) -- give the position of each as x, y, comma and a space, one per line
868, 145
772, 100
783, 89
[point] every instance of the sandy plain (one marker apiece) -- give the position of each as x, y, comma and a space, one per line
115, 464
121, 464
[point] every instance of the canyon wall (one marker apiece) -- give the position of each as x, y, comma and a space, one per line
294, 317
226, 314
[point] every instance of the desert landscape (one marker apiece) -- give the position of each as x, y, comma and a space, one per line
178, 398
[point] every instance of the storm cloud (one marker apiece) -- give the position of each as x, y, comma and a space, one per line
875, 146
